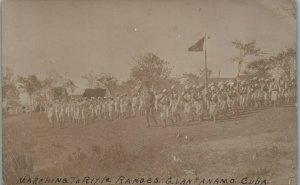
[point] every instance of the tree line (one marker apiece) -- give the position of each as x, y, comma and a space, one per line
147, 68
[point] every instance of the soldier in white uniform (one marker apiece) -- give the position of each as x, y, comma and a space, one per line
134, 104
117, 106
157, 97
141, 104
121, 104
111, 106
174, 104
213, 103
51, 115
187, 100
165, 105
199, 103
274, 92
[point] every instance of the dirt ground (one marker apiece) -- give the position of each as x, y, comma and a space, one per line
258, 143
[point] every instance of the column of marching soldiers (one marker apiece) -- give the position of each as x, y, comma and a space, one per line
194, 103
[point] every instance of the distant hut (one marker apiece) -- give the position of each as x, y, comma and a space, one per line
119, 90
96, 93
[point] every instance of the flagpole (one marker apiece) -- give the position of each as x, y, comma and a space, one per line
206, 81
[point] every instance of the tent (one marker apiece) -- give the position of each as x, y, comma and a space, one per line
89, 93
118, 90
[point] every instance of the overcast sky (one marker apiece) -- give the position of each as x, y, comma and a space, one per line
80, 36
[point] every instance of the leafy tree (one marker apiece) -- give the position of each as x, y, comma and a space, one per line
69, 84
106, 80
11, 95
91, 79
32, 85
101, 80
286, 61
150, 68
129, 83
53, 80
259, 67
245, 49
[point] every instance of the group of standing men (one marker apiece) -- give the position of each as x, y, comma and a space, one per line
193, 103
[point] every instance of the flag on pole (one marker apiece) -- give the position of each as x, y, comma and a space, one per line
199, 46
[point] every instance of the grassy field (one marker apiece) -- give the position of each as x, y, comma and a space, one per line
260, 143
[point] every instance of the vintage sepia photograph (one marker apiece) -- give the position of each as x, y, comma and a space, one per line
181, 92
